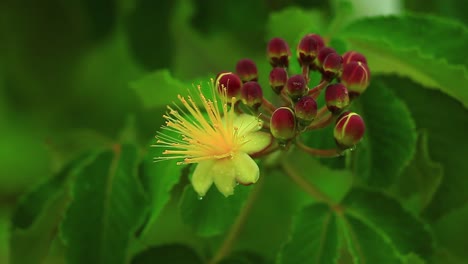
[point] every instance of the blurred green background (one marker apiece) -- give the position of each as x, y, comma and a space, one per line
66, 66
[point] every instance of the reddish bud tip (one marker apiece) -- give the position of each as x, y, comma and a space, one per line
296, 86
355, 77
350, 56
336, 98
252, 94
332, 65
306, 110
308, 48
283, 124
228, 83
323, 53
247, 70
349, 130
278, 52
278, 79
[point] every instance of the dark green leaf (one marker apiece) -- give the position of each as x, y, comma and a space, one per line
421, 179
108, 205
159, 178
445, 121
243, 258
390, 136
372, 214
314, 237
213, 214
368, 227
403, 45
176, 254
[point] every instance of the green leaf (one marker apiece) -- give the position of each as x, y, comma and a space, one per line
390, 136
37, 215
158, 89
403, 45
243, 257
445, 121
370, 211
175, 253
421, 179
314, 237
213, 214
368, 227
108, 205
293, 23
159, 178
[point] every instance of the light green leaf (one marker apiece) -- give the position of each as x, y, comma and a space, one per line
158, 89
409, 46
107, 208
445, 121
421, 179
213, 214
159, 179
367, 227
390, 137
174, 253
314, 237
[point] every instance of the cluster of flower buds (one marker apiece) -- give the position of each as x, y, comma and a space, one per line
343, 77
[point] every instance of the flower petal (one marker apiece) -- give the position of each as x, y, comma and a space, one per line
247, 171
256, 142
224, 175
202, 178
247, 124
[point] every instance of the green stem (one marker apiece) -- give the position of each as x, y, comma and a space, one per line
236, 228
307, 186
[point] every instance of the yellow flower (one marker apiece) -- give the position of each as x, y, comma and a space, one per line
215, 137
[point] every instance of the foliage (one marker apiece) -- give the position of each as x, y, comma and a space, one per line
78, 182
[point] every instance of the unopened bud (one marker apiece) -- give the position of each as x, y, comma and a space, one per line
229, 84
332, 66
296, 86
306, 110
252, 94
350, 56
349, 130
336, 98
278, 79
308, 48
247, 70
278, 52
355, 77
283, 124
323, 53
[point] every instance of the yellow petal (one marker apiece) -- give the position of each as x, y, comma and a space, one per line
247, 171
247, 124
256, 142
202, 178
224, 176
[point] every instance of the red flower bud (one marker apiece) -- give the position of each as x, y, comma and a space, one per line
278, 79
308, 48
306, 110
252, 94
336, 97
350, 56
355, 77
332, 66
349, 130
247, 70
323, 53
296, 86
228, 83
283, 124
278, 52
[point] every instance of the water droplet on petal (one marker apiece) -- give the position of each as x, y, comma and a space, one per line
200, 198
